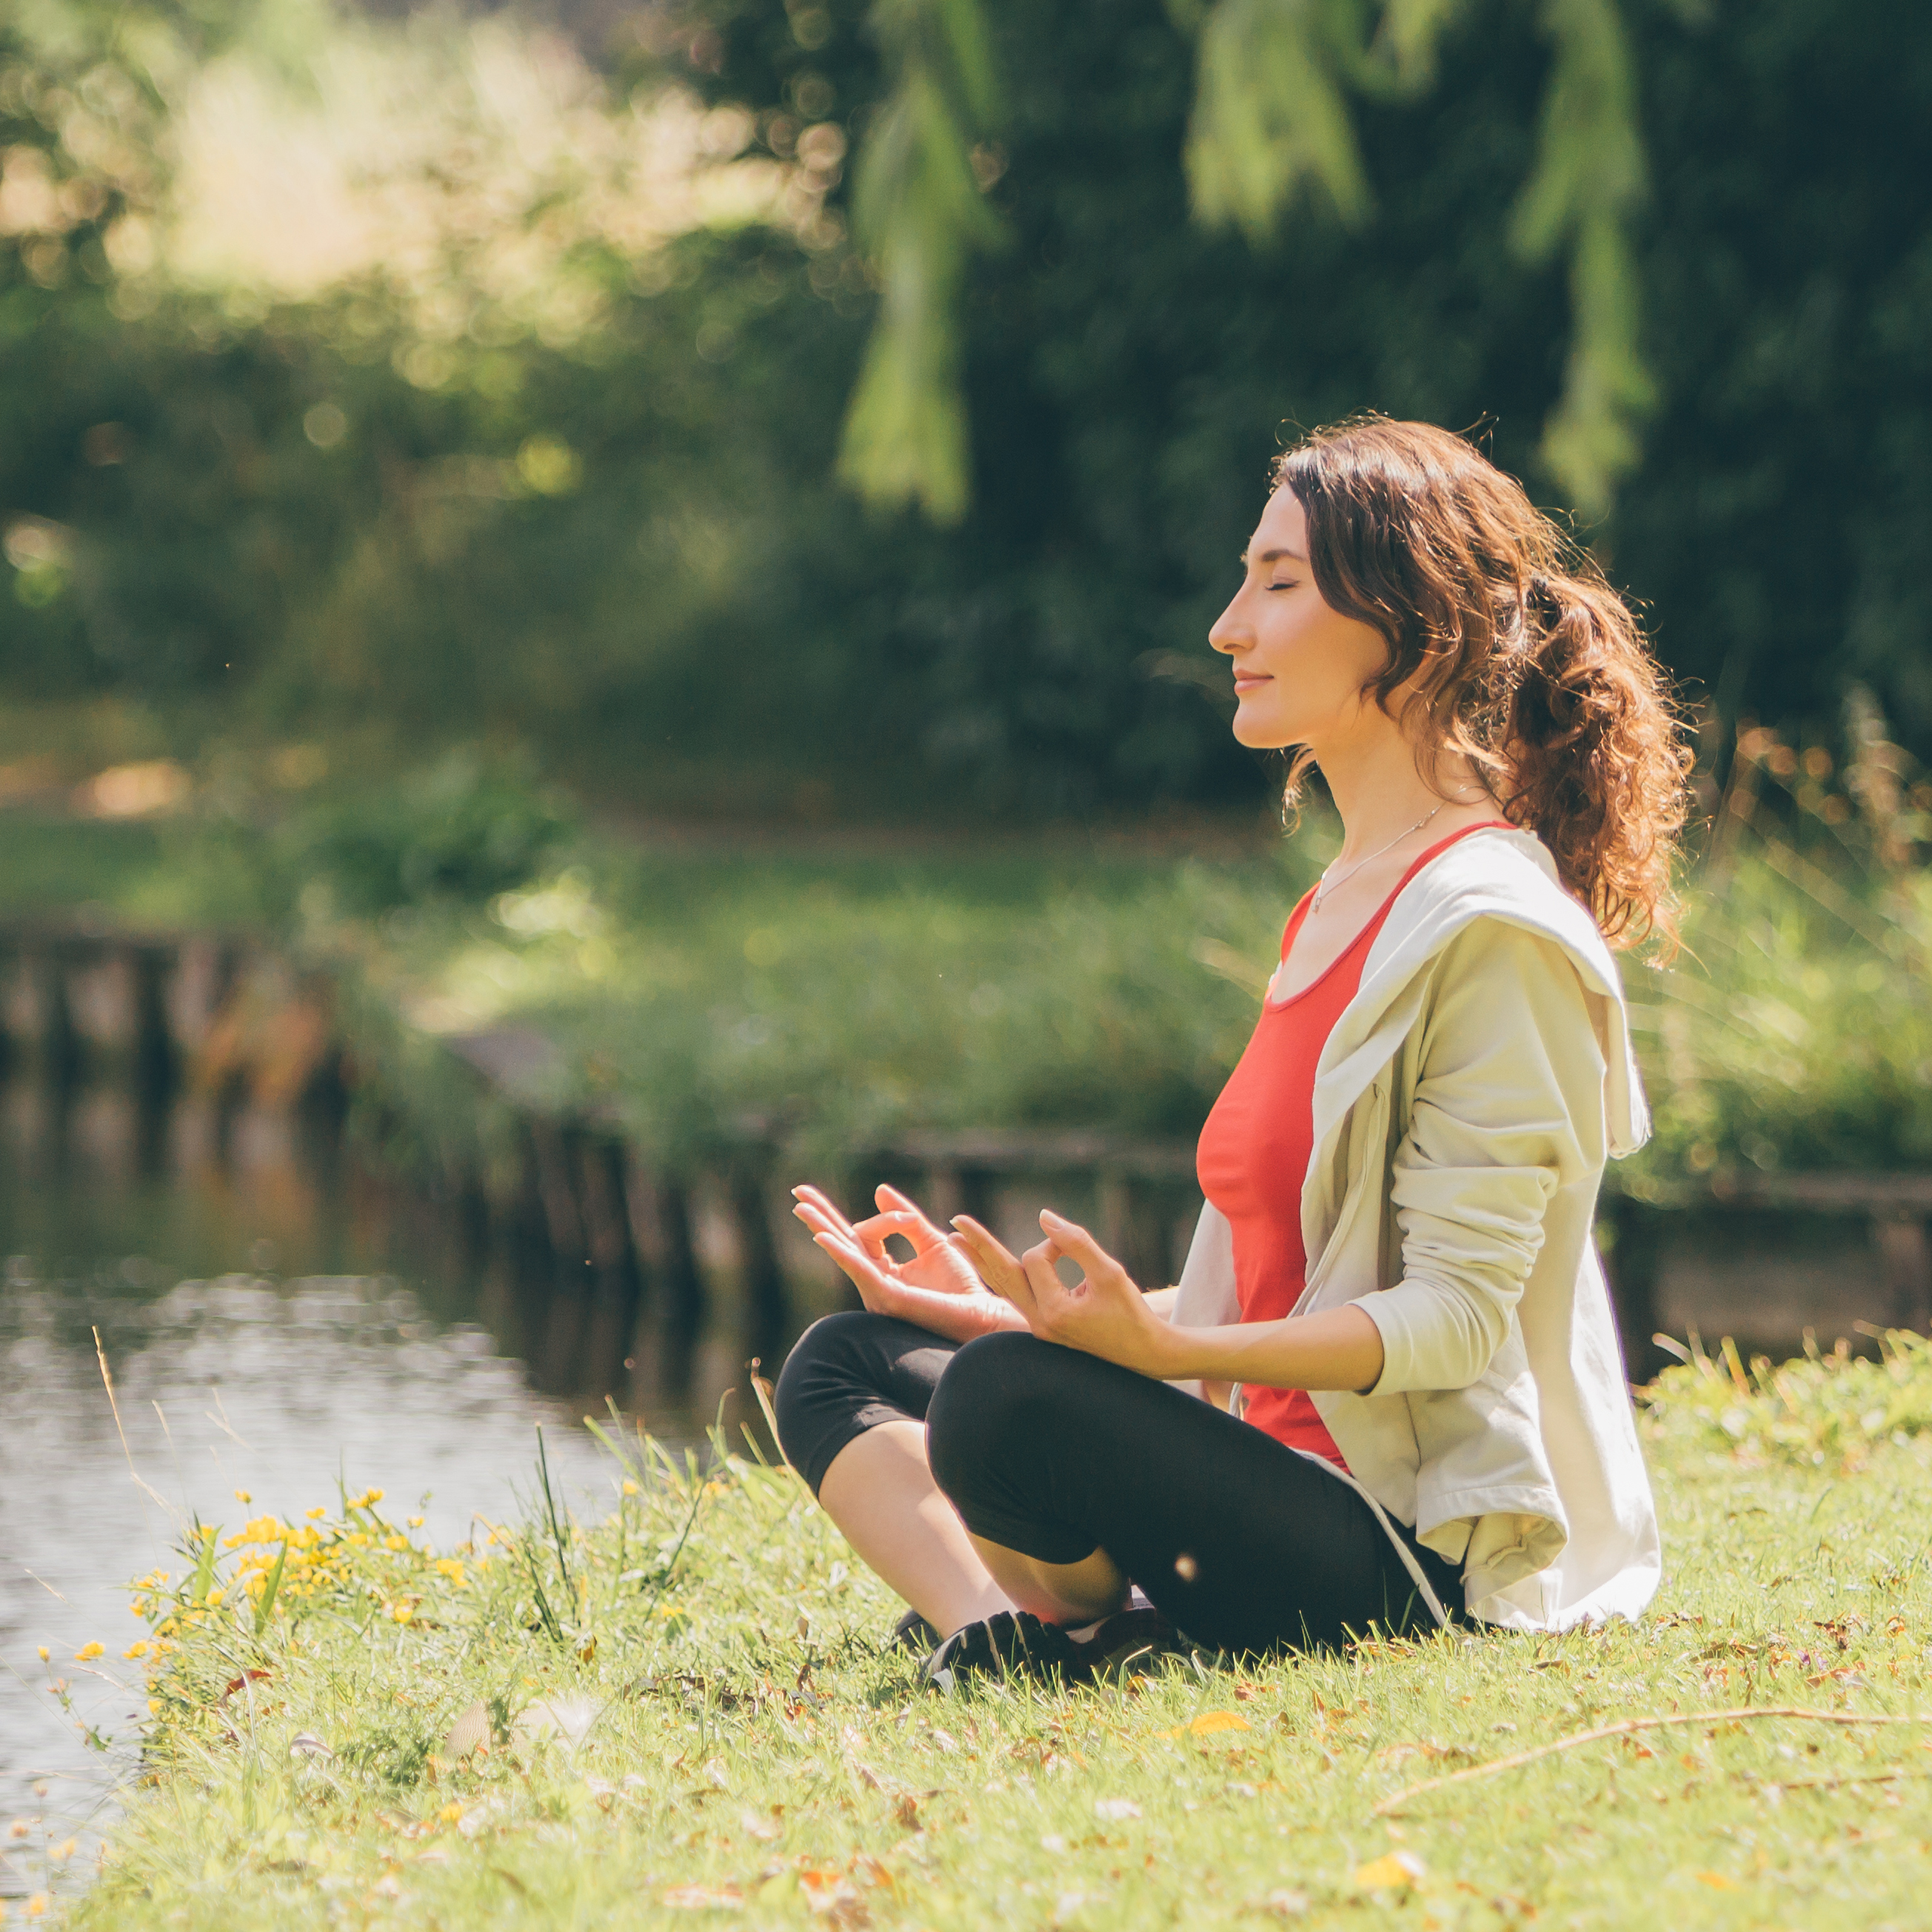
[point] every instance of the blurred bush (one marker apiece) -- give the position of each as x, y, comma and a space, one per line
462, 830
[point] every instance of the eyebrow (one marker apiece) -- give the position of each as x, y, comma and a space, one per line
1274, 556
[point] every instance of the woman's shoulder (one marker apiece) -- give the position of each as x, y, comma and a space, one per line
1493, 883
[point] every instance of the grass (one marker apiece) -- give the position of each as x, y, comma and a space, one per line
683, 1713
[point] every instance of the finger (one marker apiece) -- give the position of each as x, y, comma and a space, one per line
821, 1223
1074, 1241
1050, 1293
894, 1202
998, 1268
898, 1222
860, 1269
817, 1197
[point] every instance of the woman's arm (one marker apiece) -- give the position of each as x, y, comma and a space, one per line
1508, 1107
1509, 1070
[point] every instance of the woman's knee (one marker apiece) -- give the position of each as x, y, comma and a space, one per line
829, 1356
998, 1393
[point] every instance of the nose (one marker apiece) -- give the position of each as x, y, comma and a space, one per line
1230, 632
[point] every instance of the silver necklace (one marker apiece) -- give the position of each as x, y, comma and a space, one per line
1324, 885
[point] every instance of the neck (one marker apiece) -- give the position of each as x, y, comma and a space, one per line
1379, 792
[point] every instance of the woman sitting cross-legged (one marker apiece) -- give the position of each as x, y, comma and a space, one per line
1393, 1271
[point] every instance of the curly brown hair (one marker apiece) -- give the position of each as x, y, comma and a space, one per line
1509, 647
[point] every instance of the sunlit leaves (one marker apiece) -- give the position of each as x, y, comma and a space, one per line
919, 213
1269, 118
1589, 178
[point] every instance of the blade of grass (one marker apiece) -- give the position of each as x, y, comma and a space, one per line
550, 1506
266, 1609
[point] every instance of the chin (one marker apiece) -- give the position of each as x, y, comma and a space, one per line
1257, 734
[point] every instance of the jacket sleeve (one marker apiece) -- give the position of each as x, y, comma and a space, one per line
1509, 1066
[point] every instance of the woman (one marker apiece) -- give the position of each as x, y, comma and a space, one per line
1394, 1265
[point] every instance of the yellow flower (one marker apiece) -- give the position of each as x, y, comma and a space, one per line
243, 1496
154, 1707
140, 1649
37, 1905
450, 1814
318, 1511
61, 1853
44, 1653
630, 1487
416, 1522
452, 1568
88, 1652
402, 1613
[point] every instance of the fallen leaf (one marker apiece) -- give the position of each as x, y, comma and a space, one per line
702, 1897
832, 1896
1392, 1871
469, 1731
1207, 1724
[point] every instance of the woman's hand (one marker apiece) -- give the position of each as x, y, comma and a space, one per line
939, 1289
1105, 1314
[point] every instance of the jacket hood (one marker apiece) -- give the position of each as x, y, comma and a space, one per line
1491, 874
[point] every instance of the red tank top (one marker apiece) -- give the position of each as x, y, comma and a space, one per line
1256, 1147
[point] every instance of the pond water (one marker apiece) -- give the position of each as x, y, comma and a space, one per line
264, 1333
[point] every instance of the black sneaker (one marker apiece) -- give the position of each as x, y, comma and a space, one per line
1014, 1643
1131, 1640
912, 1632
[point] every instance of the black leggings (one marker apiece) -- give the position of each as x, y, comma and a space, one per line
1240, 1542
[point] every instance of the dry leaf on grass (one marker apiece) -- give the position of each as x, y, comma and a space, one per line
1392, 1871
702, 1897
1207, 1724
469, 1731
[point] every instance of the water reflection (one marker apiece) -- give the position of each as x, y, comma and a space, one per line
267, 1331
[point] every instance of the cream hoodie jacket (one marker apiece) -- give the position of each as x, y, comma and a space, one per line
1464, 1107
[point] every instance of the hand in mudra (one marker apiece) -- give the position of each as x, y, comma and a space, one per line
939, 1289
1103, 1313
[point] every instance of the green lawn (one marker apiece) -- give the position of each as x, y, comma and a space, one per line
754, 1757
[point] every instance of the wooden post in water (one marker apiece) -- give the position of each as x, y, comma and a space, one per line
767, 1312
673, 1302
616, 1286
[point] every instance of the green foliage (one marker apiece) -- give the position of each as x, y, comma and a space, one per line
463, 829
917, 210
315, 522
1269, 119
1270, 116
1590, 179
1824, 1411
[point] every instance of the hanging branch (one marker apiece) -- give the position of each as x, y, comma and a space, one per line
1270, 123
919, 212
1269, 119
1588, 182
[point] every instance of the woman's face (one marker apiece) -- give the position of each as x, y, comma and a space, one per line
1300, 666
